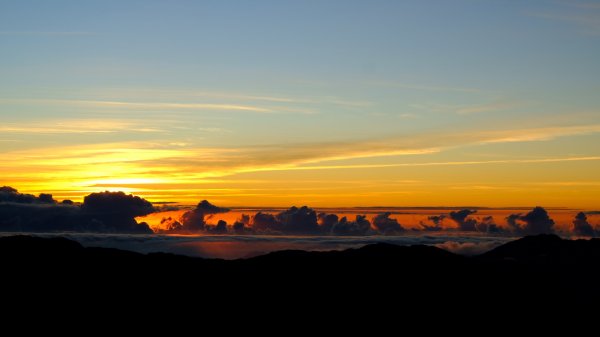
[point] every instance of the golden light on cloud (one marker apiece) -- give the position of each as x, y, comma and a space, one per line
75, 126
178, 171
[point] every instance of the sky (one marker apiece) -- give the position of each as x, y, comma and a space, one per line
323, 103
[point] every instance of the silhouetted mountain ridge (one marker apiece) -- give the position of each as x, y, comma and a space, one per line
542, 269
546, 248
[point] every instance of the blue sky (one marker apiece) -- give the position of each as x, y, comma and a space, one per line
290, 83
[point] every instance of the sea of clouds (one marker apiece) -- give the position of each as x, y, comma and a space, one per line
244, 246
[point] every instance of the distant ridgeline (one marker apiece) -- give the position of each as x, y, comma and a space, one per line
535, 270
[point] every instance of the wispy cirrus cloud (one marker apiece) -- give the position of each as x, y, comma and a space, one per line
423, 87
76, 127
162, 106
468, 109
583, 15
538, 134
45, 33
173, 171
444, 163
152, 105
186, 95
186, 162
169, 106
569, 183
487, 107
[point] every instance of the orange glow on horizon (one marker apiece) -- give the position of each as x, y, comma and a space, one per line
408, 218
258, 178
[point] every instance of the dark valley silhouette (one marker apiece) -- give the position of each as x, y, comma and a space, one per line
535, 269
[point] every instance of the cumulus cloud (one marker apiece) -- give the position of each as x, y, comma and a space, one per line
487, 225
31, 217
46, 198
359, 227
327, 221
463, 221
219, 228
9, 194
245, 219
116, 203
537, 221
117, 210
170, 225
581, 226
241, 226
513, 222
295, 221
195, 220
100, 212
437, 221
265, 223
301, 220
386, 225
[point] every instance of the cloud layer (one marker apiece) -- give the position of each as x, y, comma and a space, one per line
211, 246
115, 212
108, 212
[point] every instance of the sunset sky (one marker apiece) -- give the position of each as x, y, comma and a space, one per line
324, 103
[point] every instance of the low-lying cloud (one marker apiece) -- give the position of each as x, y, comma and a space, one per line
582, 227
244, 246
105, 212
463, 221
537, 221
115, 212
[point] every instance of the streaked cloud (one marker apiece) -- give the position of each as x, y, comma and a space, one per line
587, 23
442, 163
45, 33
467, 109
538, 134
423, 87
479, 108
168, 106
179, 169
75, 126
288, 156
583, 15
570, 183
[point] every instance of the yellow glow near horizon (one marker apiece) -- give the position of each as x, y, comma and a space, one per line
368, 185
337, 174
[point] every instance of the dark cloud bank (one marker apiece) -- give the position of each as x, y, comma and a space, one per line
106, 212
115, 212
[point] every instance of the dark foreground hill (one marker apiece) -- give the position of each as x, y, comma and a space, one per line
536, 270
